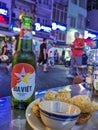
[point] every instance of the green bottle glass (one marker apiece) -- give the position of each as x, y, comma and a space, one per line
23, 68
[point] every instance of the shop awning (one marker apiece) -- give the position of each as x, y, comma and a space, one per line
8, 33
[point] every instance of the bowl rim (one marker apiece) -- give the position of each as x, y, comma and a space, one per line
58, 113
60, 117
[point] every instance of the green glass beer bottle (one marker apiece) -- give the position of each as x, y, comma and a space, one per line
23, 68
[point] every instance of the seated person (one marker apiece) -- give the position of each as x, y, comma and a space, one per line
84, 58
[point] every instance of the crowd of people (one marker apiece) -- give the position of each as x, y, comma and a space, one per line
48, 55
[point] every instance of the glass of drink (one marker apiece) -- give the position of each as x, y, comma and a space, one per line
89, 81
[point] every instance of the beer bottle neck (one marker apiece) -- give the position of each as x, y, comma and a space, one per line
25, 38
25, 45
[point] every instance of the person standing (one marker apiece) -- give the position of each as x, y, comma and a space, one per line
3, 55
84, 58
63, 55
76, 56
51, 55
9, 54
4, 48
56, 56
43, 54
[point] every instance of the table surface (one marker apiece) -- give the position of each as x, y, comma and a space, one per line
15, 119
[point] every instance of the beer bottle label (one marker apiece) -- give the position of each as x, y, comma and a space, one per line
23, 81
26, 33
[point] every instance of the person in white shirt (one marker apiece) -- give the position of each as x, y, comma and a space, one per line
9, 54
51, 56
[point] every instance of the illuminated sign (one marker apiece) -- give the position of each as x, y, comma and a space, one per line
87, 34
4, 19
39, 27
49, 29
56, 26
4, 11
44, 28
18, 30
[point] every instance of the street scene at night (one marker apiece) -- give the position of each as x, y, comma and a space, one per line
49, 65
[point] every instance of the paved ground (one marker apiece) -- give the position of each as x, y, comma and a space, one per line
5, 80
56, 77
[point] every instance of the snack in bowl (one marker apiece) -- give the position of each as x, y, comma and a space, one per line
94, 106
50, 95
36, 109
85, 105
83, 118
63, 95
83, 102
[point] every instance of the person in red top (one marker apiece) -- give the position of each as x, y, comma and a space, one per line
77, 51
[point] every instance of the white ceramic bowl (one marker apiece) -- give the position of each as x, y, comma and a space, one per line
58, 115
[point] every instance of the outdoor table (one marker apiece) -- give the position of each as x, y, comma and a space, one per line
11, 119
81, 70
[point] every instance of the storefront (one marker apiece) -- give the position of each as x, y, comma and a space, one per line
41, 31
